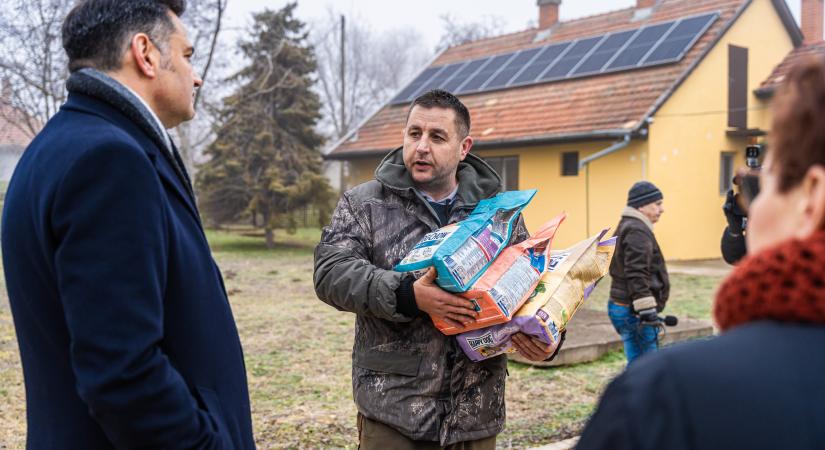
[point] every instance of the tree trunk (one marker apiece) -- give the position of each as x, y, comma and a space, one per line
268, 231
270, 238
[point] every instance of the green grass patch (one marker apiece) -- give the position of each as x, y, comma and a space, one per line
252, 242
691, 296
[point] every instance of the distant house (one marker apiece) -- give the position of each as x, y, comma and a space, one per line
582, 109
12, 139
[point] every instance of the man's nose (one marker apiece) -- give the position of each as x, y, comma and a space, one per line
423, 145
197, 80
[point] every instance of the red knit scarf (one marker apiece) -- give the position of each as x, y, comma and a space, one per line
784, 283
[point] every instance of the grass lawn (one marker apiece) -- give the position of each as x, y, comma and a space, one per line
298, 355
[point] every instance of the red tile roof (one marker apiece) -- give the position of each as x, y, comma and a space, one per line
607, 104
9, 133
781, 71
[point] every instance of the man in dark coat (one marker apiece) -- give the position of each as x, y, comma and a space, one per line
640, 285
413, 386
126, 335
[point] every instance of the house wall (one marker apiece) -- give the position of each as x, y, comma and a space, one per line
357, 171
689, 133
681, 154
610, 177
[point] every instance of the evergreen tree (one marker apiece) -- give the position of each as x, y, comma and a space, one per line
265, 160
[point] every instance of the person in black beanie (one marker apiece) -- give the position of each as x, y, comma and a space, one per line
640, 285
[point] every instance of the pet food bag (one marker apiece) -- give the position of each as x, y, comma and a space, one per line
570, 278
507, 283
461, 252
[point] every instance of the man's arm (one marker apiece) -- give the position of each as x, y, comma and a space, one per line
111, 260
638, 253
344, 276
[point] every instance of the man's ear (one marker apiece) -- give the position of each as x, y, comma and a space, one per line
145, 55
466, 145
812, 202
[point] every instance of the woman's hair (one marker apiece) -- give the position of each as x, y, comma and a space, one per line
797, 139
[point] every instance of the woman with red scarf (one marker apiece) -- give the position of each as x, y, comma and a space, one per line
760, 384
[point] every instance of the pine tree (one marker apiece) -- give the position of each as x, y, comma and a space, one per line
265, 160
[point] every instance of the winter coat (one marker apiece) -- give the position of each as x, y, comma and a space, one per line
638, 268
756, 387
406, 373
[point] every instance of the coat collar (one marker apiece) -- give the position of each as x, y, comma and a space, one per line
634, 213
167, 172
476, 179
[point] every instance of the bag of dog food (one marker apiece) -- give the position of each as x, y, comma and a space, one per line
507, 283
461, 252
570, 278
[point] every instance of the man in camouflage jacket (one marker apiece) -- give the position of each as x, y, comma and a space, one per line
413, 386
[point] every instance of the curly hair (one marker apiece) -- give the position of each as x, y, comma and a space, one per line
797, 138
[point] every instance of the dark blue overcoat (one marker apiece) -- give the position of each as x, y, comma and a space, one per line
126, 335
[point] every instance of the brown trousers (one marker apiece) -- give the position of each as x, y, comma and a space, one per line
374, 435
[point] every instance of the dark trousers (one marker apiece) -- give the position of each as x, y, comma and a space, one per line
374, 435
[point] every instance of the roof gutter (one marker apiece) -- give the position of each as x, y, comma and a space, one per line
599, 135
602, 153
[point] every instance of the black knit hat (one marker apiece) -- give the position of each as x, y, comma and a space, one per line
642, 193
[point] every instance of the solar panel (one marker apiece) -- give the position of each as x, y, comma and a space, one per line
463, 74
406, 94
640, 46
485, 73
680, 39
439, 80
604, 52
653, 44
571, 59
540, 63
521, 59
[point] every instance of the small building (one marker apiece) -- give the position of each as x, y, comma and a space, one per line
13, 140
581, 109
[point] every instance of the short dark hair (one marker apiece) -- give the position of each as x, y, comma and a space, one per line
97, 32
797, 138
438, 98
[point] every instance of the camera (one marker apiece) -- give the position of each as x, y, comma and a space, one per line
752, 153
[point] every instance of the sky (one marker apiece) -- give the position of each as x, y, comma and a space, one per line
424, 15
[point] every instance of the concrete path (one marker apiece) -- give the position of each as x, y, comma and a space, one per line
590, 335
709, 267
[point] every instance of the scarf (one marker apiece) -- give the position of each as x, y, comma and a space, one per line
785, 283
630, 211
96, 84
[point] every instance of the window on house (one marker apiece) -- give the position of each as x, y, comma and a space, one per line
507, 169
738, 87
726, 161
570, 164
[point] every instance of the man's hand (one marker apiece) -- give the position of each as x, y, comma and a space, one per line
452, 309
532, 348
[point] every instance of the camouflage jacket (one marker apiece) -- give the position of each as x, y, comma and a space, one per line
405, 373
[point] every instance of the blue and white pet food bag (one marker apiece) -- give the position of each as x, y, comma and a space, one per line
462, 251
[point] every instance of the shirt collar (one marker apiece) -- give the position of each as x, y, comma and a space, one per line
154, 116
444, 201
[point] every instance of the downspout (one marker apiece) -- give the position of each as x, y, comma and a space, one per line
585, 164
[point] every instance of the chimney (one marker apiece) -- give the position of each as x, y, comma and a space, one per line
812, 17
548, 13
645, 4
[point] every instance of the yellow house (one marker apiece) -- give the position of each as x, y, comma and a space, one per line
582, 109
